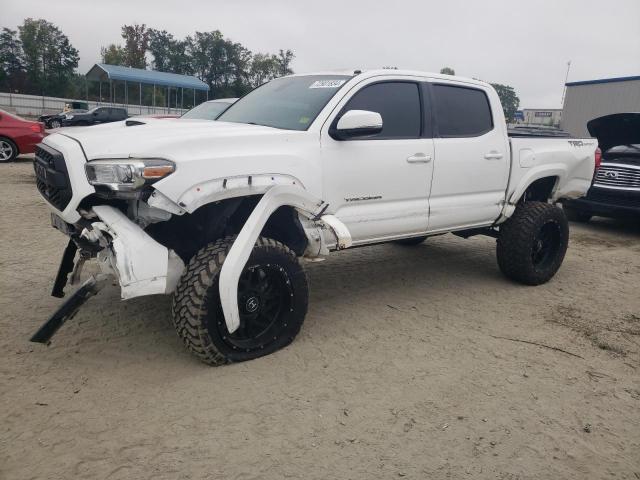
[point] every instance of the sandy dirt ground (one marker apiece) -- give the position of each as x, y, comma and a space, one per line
412, 363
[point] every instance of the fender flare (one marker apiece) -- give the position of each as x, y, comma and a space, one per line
240, 251
525, 182
548, 171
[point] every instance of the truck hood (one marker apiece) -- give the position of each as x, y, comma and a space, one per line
616, 129
159, 137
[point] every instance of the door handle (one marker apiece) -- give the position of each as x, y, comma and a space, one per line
419, 158
493, 156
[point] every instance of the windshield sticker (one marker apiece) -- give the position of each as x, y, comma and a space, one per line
327, 84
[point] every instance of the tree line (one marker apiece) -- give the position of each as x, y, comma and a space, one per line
39, 59
228, 67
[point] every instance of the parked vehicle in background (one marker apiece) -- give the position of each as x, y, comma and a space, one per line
55, 120
18, 136
75, 105
209, 110
158, 115
221, 213
615, 191
95, 116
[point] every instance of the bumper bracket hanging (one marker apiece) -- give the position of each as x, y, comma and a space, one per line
69, 308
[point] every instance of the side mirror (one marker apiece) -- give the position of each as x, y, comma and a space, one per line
357, 123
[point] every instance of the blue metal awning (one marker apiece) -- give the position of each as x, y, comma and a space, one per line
103, 72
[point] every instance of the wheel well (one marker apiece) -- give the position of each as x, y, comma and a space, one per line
188, 233
540, 190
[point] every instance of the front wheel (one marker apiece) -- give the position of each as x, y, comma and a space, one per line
55, 124
532, 243
272, 299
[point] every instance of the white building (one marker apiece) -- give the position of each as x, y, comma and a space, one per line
547, 117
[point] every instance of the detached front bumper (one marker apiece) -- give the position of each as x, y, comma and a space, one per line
125, 251
141, 265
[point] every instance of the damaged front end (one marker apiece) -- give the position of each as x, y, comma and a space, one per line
141, 265
113, 206
124, 252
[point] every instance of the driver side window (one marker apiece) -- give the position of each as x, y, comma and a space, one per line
397, 102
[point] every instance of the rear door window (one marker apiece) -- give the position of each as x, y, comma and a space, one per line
397, 102
461, 111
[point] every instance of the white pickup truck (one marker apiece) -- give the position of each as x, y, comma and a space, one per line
220, 213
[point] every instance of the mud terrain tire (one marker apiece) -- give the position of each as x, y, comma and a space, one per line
532, 243
272, 299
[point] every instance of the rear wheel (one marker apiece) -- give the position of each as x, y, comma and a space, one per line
532, 243
577, 215
272, 301
8, 150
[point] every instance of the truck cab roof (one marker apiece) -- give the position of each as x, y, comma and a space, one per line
392, 72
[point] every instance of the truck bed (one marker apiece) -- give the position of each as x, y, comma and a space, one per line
570, 160
532, 131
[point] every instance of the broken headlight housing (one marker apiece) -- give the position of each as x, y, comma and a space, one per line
126, 176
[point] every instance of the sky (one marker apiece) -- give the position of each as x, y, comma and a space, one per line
525, 44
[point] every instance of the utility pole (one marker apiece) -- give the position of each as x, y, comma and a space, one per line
564, 90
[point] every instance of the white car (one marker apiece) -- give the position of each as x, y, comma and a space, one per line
209, 110
220, 214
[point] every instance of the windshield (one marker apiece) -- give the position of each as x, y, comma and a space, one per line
207, 111
291, 103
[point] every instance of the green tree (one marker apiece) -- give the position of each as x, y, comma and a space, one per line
11, 60
224, 65
263, 68
161, 46
284, 58
509, 99
207, 56
228, 67
237, 74
113, 55
50, 59
447, 71
136, 44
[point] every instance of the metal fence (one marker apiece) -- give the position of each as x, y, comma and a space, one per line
32, 106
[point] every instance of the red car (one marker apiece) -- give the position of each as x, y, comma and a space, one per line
18, 136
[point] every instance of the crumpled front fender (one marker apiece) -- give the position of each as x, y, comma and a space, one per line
241, 249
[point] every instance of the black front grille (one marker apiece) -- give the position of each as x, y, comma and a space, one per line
621, 199
52, 178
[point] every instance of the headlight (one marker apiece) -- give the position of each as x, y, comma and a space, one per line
127, 175
68, 117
